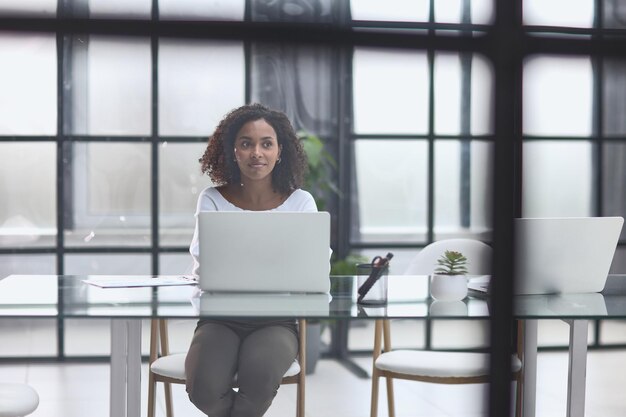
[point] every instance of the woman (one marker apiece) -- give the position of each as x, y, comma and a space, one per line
257, 163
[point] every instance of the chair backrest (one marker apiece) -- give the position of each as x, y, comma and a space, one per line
477, 253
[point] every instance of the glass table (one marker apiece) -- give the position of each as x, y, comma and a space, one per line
55, 296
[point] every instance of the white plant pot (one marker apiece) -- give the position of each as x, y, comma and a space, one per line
448, 287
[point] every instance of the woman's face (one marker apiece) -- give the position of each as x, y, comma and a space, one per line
256, 150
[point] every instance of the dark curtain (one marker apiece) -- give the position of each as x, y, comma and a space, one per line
301, 80
306, 81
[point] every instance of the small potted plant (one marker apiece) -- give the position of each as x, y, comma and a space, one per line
449, 281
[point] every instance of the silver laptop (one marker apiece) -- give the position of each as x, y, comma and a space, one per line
262, 304
264, 251
564, 255
561, 255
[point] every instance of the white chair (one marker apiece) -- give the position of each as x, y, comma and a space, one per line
170, 368
17, 400
439, 367
477, 253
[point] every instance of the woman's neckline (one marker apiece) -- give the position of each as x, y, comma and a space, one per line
242, 209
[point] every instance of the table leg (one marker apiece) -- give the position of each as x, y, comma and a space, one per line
577, 369
529, 383
133, 376
125, 379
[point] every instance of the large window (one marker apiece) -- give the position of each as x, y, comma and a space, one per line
100, 134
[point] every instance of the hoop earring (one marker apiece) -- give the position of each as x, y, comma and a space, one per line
278, 161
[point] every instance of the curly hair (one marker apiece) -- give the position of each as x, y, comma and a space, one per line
218, 160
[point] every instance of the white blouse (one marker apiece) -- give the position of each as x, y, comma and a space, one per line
211, 199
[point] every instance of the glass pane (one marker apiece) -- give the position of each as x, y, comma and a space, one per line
482, 91
391, 186
580, 13
463, 94
614, 97
458, 334
391, 10
120, 8
449, 93
28, 337
202, 10
175, 263
27, 265
407, 334
557, 179
110, 86
558, 96
28, 81
614, 179
30, 7
92, 337
612, 332
451, 11
28, 189
194, 92
390, 91
180, 183
110, 195
463, 179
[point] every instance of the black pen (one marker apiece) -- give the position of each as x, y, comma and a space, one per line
378, 265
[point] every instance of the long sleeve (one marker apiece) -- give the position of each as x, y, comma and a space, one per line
205, 203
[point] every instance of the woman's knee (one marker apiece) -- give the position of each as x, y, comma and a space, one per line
212, 398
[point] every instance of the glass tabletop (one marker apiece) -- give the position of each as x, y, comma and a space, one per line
67, 296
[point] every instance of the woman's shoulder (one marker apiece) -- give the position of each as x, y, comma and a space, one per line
211, 199
300, 200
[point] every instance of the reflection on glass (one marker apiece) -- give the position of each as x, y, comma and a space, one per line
557, 179
558, 96
199, 82
391, 187
28, 84
180, 183
28, 190
110, 85
110, 197
202, 10
463, 188
579, 13
390, 91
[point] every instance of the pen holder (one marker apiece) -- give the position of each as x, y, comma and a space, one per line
377, 295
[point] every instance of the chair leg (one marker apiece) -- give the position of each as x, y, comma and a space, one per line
390, 399
374, 400
169, 412
519, 396
151, 399
300, 398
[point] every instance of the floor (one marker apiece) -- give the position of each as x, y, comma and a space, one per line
73, 390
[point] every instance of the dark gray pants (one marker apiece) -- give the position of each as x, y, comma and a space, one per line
259, 352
